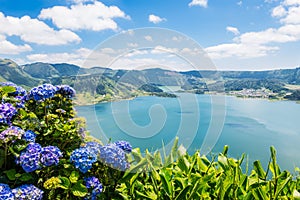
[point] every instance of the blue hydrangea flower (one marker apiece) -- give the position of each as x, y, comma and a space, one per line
21, 101
27, 192
11, 134
42, 92
5, 192
29, 136
93, 146
66, 91
50, 155
7, 111
124, 145
83, 159
94, 185
30, 157
114, 157
19, 90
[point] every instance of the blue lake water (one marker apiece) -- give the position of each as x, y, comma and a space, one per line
203, 122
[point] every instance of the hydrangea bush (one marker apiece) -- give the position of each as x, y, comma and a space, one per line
44, 151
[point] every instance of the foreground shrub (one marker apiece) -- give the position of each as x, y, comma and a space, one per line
44, 153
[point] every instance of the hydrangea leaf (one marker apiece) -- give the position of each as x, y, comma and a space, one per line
79, 190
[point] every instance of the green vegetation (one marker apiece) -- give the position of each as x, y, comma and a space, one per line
183, 176
295, 96
105, 84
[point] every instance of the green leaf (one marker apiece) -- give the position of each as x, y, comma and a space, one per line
225, 150
11, 174
26, 177
222, 160
259, 170
65, 183
74, 176
79, 190
8, 89
183, 193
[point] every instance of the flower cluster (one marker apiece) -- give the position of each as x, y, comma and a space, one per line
5, 192
7, 111
66, 91
42, 92
29, 136
20, 101
19, 90
35, 157
93, 146
94, 184
50, 155
11, 134
27, 192
126, 146
83, 158
114, 157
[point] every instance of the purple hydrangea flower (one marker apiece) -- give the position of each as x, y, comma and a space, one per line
7, 111
5, 192
19, 90
93, 146
29, 136
66, 91
29, 192
114, 157
94, 184
124, 145
11, 134
30, 157
50, 155
83, 159
42, 92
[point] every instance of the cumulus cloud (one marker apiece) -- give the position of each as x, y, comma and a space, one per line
35, 31
261, 43
202, 3
279, 11
8, 48
77, 57
233, 30
95, 16
155, 19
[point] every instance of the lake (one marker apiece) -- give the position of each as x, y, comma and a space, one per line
206, 122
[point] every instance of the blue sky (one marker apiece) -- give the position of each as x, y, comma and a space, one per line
236, 34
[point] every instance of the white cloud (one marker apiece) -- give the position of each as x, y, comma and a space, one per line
8, 48
239, 50
81, 1
133, 45
291, 2
95, 16
155, 19
239, 3
233, 30
202, 3
78, 57
279, 11
148, 38
292, 15
35, 31
262, 43
162, 49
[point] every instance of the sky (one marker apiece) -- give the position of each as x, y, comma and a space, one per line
232, 34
